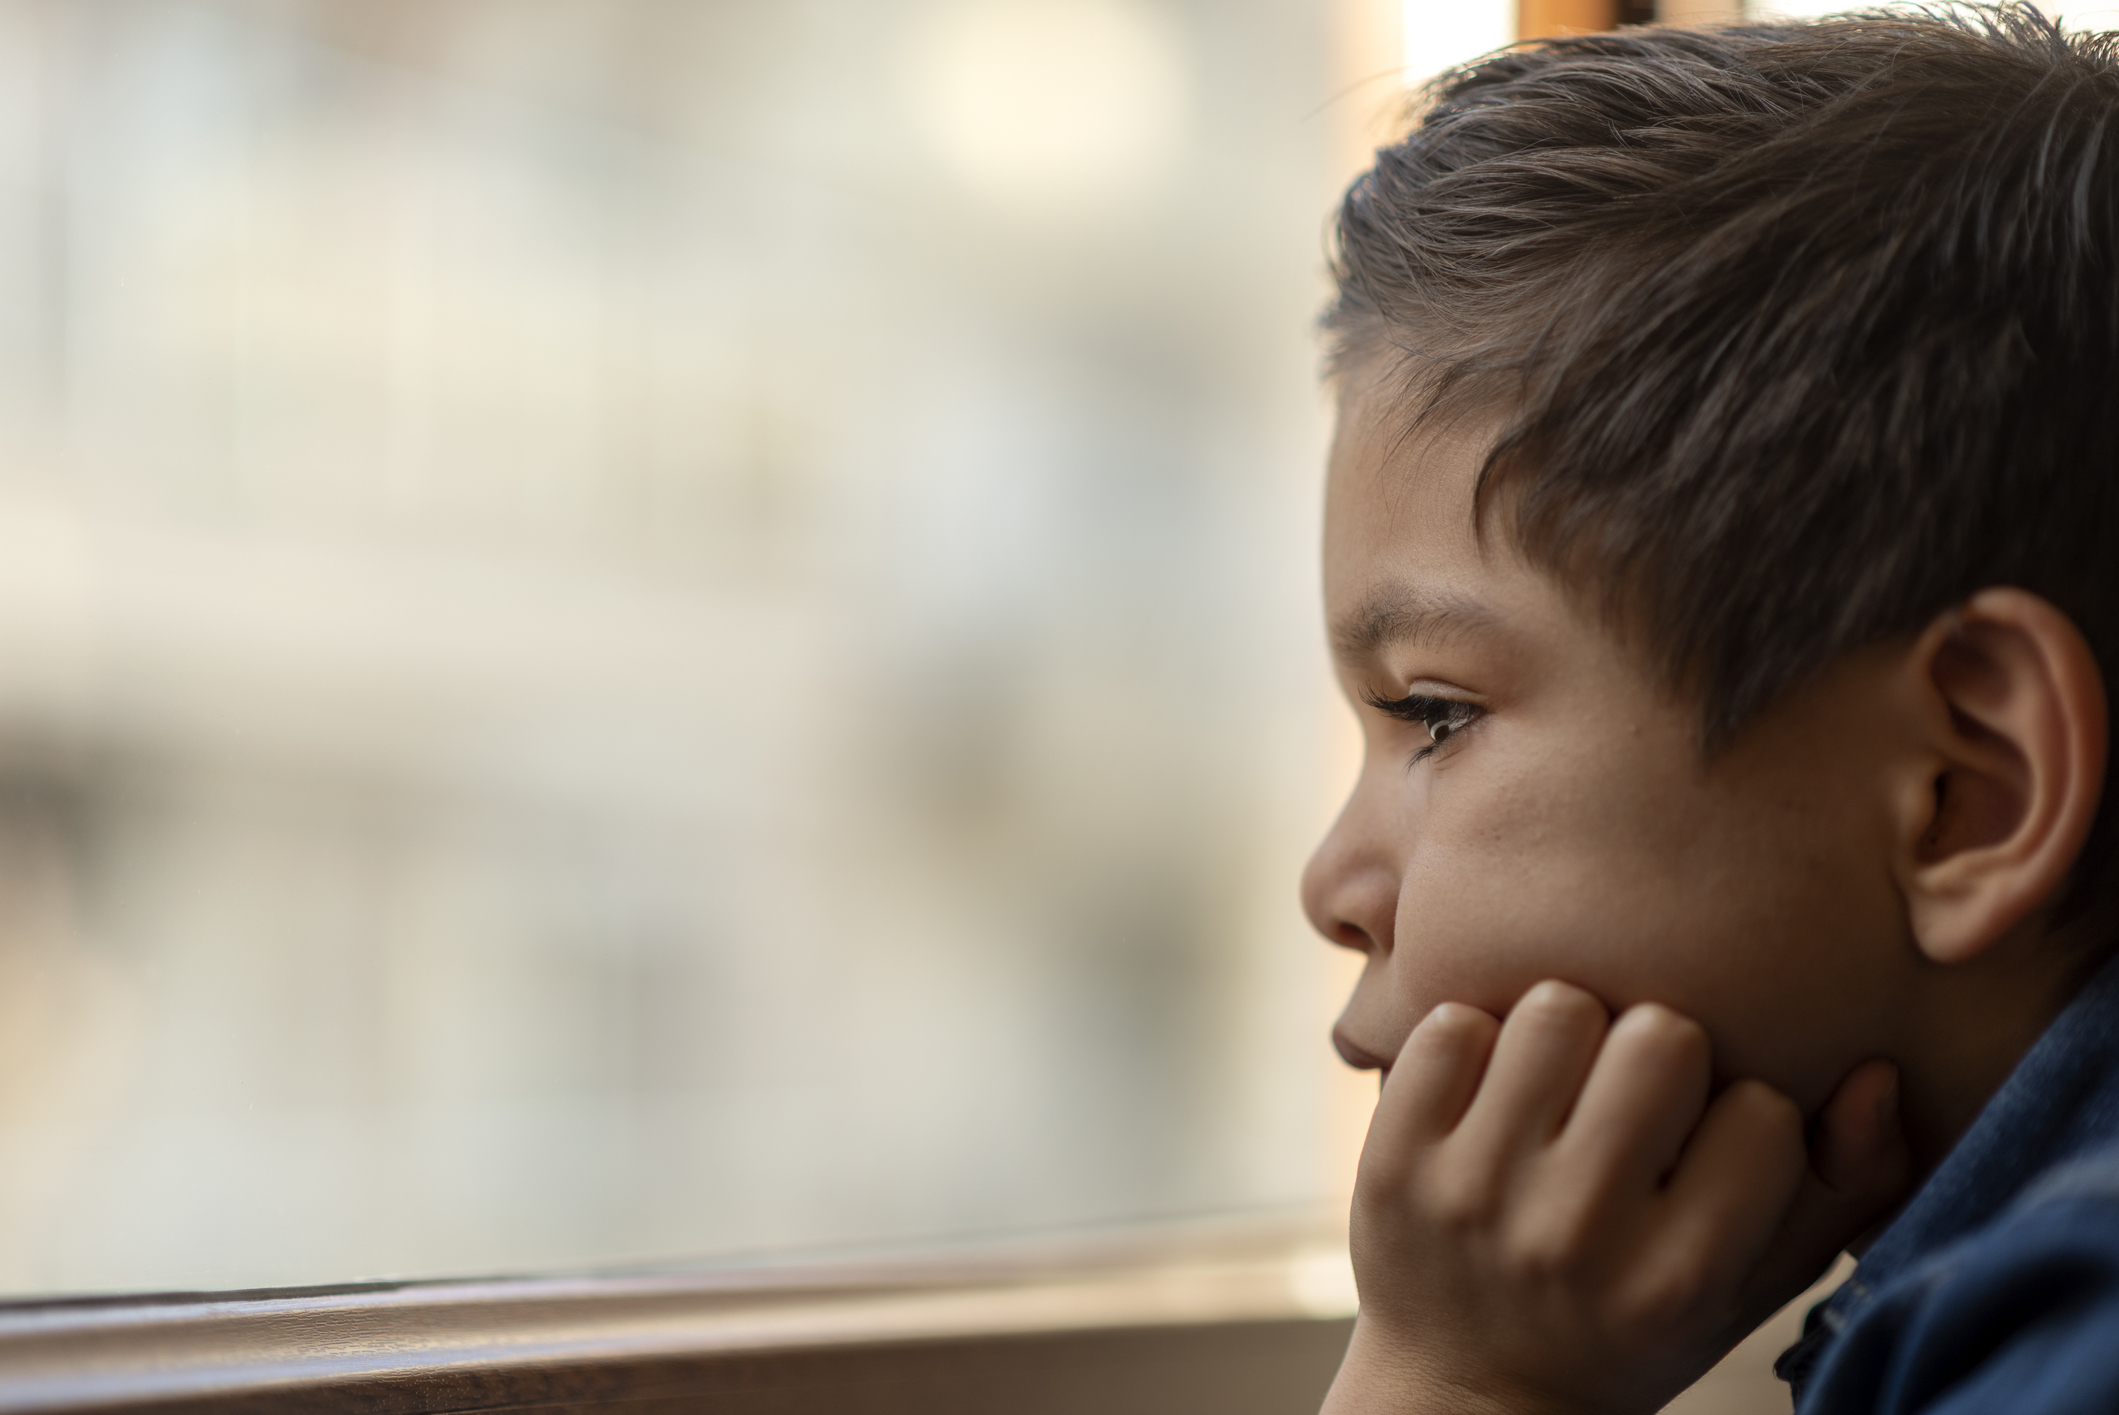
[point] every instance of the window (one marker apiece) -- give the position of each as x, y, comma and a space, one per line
648, 630
676, 641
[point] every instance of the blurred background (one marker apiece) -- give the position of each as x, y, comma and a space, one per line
644, 629
661, 629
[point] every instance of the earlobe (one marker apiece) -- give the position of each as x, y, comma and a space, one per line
2012, 722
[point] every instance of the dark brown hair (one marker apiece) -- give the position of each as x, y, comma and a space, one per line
1800, 333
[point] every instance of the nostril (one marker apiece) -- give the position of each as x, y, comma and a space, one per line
1352, 936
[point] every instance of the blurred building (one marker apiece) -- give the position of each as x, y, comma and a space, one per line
643, 629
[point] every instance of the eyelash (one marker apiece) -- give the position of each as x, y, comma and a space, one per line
1423, 710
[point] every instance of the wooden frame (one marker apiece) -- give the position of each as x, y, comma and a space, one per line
1538, 18
1236, 1319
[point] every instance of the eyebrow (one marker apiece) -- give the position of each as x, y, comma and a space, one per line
1395, 614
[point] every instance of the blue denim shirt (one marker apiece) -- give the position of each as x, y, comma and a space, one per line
1997, 1288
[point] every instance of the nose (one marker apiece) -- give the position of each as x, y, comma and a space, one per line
1349, 890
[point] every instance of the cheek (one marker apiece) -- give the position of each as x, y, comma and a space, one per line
1640, 884
1515, 877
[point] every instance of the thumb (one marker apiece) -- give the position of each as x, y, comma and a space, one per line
1860, 1168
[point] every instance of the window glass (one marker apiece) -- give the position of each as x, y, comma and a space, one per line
641, 629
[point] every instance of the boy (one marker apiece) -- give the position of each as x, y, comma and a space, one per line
1722, 553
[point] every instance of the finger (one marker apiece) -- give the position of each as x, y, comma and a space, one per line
1434, 1078
1859, 1168
1858, 1145
1540, 1060
1439, 1068
1644, 1096
1734, 1186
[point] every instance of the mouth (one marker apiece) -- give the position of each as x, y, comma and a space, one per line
1358, 1056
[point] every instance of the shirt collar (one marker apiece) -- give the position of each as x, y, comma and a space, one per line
2060, 1101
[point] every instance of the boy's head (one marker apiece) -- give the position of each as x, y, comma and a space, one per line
1727, 480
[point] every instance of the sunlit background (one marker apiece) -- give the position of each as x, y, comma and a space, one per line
645, 629
663, 629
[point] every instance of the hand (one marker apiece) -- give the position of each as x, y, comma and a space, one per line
1550, 1214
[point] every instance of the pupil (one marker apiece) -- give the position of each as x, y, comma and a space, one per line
1437, 731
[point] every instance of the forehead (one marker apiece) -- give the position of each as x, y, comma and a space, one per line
1410, 581
1399, 533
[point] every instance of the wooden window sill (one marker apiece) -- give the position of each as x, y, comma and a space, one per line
1232, 1318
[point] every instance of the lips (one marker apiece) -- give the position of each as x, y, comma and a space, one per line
1356, 1055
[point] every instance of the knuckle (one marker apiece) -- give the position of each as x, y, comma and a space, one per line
1768, 1111
1553, 1237
1461, 1198
1664, 1296
1457, 1021
1544, 1248
1674, 1037
1557, 1004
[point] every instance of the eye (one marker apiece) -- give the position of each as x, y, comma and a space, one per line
1443, 718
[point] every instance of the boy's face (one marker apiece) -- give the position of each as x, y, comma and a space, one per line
1566, 824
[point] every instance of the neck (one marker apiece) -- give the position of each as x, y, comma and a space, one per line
1972, 1026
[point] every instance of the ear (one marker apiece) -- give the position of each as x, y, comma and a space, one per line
2012, 721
